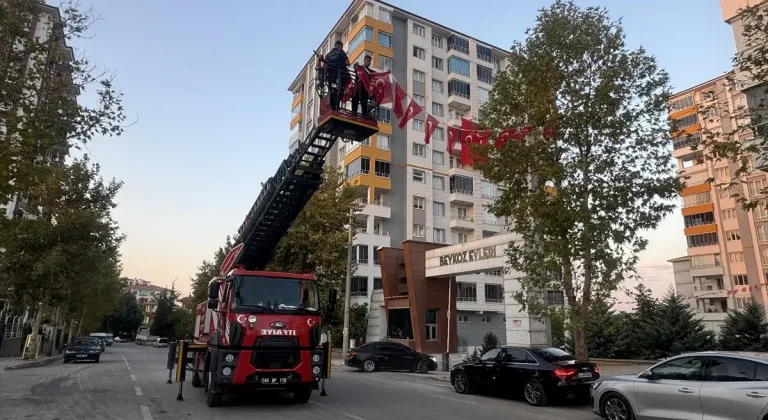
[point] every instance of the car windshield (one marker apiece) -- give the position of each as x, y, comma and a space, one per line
162, 340
275, 293
552, 354
85, 342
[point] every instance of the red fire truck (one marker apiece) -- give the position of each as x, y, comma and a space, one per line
261, 329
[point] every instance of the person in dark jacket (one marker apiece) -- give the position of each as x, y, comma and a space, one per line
336, 73
361, 96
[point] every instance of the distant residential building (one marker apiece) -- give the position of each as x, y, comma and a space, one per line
146, 296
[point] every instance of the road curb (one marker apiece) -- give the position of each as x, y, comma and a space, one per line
35, 363
440, 378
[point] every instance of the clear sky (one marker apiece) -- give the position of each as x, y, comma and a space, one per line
207, 85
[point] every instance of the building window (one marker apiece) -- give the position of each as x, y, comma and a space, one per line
399, 324
736, 257
418, 125
385, 39
721, 173
686, 121
458, 88
431, 324
437, 109
437, 41
731, 235
437, 86
463, 318
437, 63
385, 115
484, 53
484, 74
438, 134
555, 297
382, 141
485, 320
699, 219
729, 214
741, 303
490, 190
419, 176
458, 65
697, 199
438, 235
724, 193
377, 283
462, 184
460, 238
382, 168
419, 100
494, 293
438, 208
418, 76
419, 203
740, 280
458, 43
361, 254
467, 292
482, 95
705, 239
376, 254
682, 103
419, 149
418, 30
385, 63
365, 34
438, 158
756, 187
419, 53
438, 182
385, 15
361, 165
359, 286
418, 231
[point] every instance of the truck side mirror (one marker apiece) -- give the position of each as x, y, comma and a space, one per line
332, 298
213, 290
213, 304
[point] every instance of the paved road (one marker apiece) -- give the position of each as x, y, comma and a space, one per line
129, 383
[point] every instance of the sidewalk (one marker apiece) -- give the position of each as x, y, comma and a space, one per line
10, 363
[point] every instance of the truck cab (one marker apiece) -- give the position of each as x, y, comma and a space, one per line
262, 330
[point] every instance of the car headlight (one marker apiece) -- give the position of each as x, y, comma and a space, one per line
226, 371
316, 370
69, 352
229, 358
434, 359
316, 358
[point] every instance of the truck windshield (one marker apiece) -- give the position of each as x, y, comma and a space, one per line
275, 294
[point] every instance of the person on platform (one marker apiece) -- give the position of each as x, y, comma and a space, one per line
336, 74
361, 96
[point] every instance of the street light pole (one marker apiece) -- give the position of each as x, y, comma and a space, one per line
347, 288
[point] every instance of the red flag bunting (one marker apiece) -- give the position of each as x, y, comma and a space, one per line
400, 94
430, 126
381, 88
470, 137
411, 111
511, 134
454, 134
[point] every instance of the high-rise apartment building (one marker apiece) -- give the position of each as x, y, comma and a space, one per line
415, 191
727, 246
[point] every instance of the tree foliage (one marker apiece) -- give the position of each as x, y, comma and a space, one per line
678, 330
745, 329
182, 323
607, 166
127, 316
208, 270
162, 323
490, 342
744, 140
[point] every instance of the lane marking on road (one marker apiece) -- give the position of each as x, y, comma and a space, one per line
138, 390
452, 399
352, 416
145, 413
129, 368
318, 404
133, 378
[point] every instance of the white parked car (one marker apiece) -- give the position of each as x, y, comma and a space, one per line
160, 342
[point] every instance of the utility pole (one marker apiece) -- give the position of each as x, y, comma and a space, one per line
348, 287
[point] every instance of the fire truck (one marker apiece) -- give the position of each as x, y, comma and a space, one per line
261, 328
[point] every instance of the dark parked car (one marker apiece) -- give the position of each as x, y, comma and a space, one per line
537, 375
83, 348
382, 355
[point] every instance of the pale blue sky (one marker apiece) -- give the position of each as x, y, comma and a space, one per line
213, 107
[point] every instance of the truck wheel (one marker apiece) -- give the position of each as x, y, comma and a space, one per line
212, 399
301, 395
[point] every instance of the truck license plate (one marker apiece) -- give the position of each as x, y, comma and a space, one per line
274, 381
585, 375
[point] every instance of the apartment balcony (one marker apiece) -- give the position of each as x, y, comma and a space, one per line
459, 101
379, 208
714, 269
714, 316
709, 293
457, 196
462, 223
478, 305
496, 226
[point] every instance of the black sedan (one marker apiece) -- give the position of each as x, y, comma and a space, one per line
537, 375
383, 355
83, 348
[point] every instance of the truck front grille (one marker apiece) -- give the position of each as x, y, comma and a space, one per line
276, 353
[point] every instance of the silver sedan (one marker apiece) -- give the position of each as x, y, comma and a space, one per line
693, 386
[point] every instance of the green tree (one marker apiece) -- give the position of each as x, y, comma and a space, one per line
490, 342
208, 270
182, 324
745, 329
599, 146
750, 76
678, 330
604, 330
126, 319
640, 327
358, 325
162, 323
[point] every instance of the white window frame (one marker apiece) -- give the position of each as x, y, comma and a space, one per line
419, 30
418, 125
419, 150
437, 41
438, 83
419, 203
418, 231
421, 174
438, 109
438, 205
438, 161
419, 76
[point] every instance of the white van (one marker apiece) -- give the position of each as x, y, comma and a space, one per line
108, 338
161, 342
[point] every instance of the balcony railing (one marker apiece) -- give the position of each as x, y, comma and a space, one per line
696, 203
466, 299
494, 300
381, 232
380, 202
462, 218
363, 261
461, 191
457, 47
460, 94
362, 230
382, 175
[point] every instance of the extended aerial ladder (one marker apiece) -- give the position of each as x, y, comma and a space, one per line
286, 193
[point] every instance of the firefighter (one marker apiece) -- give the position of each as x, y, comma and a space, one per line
336, 73
361, 96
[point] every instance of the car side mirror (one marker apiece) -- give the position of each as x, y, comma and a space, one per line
213, 290
213, 304
647, 374
333, 297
